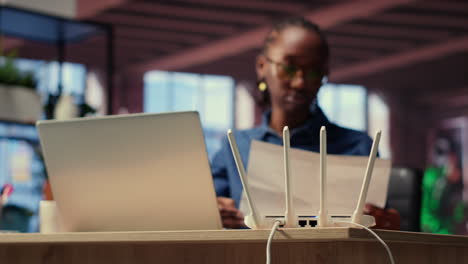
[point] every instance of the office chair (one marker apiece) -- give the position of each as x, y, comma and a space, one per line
404, 195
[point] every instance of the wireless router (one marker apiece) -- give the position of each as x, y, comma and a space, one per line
290, 219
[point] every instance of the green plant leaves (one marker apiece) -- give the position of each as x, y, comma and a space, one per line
11, 75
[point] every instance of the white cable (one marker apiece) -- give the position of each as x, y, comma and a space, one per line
270, 238
392, 261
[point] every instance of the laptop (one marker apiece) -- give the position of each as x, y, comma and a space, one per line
138, 172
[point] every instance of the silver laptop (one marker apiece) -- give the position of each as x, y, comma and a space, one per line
137, 172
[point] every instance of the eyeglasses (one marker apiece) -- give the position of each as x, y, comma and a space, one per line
288, 71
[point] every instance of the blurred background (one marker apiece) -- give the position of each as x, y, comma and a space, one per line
396, 65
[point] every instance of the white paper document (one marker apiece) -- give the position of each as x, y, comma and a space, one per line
265, 178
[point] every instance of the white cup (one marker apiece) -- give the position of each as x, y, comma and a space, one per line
48, 217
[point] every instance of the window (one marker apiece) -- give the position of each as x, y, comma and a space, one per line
212, 96
379, 118
245, 107
350, 106
345, 105
47, 74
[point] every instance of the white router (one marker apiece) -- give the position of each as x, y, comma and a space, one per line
290, 219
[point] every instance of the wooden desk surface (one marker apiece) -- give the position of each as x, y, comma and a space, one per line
317, 245
227, 236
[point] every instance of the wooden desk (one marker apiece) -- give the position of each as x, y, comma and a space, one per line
339, 245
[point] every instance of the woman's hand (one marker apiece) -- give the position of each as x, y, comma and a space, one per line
230, 215
384, 218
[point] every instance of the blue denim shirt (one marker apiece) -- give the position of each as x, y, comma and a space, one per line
340, 141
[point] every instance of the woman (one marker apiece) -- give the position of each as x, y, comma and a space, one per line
290, 70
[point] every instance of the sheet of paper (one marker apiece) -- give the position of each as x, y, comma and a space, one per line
345, 175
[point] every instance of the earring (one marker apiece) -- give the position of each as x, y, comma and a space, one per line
262, 86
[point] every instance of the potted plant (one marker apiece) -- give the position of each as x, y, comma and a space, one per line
19, 100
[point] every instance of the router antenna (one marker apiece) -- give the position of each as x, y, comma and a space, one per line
252, 219
323, 211
357, 215
290, 214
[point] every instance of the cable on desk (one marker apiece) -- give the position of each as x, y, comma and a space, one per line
270, 238
387, 248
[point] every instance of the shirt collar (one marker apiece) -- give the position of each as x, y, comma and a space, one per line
316, 120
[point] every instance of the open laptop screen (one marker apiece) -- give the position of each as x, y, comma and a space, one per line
131, 172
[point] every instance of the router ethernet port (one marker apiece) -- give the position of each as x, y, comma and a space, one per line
312, 223
302, 223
